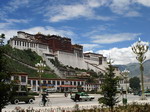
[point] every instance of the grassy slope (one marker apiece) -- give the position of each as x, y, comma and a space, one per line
28, 57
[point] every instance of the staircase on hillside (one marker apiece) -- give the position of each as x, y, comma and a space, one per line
56, 70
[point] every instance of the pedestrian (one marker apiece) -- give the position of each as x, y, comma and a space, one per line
44, 99
70, 93
66, 94
77, 97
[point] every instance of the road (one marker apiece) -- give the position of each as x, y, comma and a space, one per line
59, 100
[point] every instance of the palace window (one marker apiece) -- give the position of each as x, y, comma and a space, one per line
23, 43
100, 60
44, 82
23, 79
49, 82
78, 82
54, 82
34, 82
58, 82
74, 82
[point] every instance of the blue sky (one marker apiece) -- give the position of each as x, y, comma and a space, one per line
108, 27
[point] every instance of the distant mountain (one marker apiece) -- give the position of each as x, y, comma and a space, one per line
135, 70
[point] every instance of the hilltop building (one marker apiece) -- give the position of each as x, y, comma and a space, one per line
53, 46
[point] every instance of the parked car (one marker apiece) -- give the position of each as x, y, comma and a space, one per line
147, 93
22, 96
82, 96
50, 90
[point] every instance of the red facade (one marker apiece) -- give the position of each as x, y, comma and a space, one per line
56, 43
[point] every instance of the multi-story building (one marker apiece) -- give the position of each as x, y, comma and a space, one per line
21, 81
60, 85
52, 46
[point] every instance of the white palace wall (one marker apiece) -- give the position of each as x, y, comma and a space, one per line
24, 41
71, 59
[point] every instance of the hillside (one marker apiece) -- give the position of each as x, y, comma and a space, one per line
24, 61
134, 68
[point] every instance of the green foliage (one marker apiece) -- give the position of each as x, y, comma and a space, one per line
14, 66
109, 88
26, 56
2, 37
134, 83
56, 62
6, 86
49, 75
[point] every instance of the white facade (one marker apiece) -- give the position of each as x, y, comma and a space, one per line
19, 43
21, 79
56, 83
71, 59
93, 61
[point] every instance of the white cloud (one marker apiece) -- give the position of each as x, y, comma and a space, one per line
68, 12
121, 55
12, 6
143, 2
89, 47
113, 38
132, 14
124, 7
87, 8
4, 25
16, 20
90, 51
11, 23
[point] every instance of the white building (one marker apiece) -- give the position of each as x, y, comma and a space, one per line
52, 46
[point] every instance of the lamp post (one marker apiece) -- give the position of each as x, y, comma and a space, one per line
140, 48
40, 66
125, 74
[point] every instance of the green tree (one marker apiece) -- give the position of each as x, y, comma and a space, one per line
2, 37
6, 86
140, 48
109, 88
134, 83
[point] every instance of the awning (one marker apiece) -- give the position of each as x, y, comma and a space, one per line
71, 86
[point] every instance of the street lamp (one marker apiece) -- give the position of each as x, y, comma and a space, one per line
40, 69
140, 48
125, 74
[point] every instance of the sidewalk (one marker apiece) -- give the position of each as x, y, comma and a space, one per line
55, 95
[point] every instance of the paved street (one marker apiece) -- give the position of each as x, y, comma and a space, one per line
58, 100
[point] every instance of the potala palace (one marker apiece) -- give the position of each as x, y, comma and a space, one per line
51, 46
